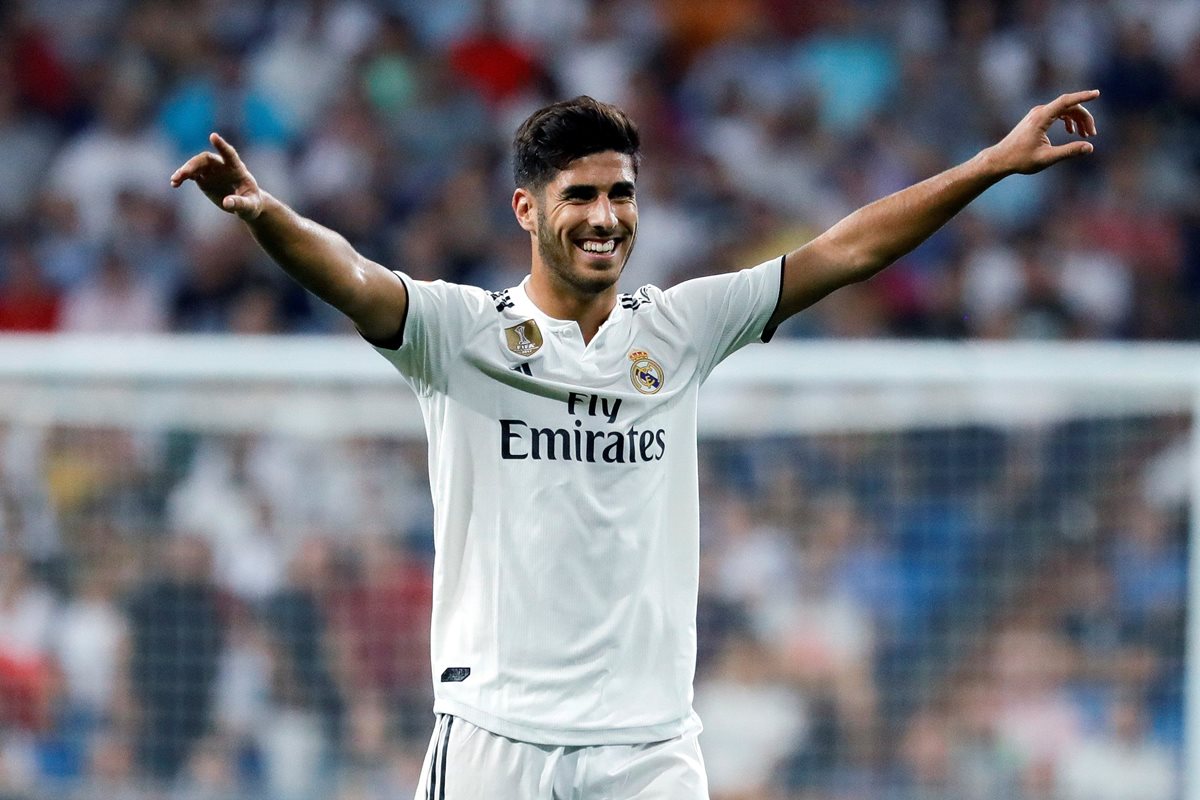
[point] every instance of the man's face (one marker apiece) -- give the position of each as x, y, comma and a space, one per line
585, 220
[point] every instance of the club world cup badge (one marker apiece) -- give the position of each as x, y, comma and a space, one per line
646, 374
524, 339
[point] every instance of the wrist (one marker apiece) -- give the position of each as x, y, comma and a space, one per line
991, 164
269, 210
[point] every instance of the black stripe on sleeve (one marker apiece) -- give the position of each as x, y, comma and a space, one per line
394, 341
769, 331
445, 747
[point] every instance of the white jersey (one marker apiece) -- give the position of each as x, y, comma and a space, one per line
564, 481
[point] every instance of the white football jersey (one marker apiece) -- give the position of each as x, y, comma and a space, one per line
564, 483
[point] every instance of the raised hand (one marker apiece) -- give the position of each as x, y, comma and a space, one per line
223, 178
1027, 147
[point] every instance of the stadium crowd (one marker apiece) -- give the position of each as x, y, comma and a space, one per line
200, 617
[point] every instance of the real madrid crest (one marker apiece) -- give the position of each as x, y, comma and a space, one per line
524, 339
646, 374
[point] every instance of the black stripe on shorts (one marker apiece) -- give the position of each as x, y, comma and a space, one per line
445, 747
433, 759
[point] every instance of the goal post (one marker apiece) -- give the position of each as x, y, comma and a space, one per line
951, 566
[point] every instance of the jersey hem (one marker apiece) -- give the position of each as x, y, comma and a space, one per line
558, 737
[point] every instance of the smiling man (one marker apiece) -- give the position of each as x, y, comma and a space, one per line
561, 417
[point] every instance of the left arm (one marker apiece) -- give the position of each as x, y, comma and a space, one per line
877, 234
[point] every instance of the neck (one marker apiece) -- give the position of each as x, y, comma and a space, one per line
558, 300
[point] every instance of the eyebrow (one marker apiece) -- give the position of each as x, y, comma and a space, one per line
583, 191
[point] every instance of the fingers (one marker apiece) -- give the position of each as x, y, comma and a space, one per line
226, 150
194, 166
1061, 103
1071, 105
1081, 120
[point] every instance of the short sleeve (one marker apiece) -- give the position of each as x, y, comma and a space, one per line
439, 318
724, 313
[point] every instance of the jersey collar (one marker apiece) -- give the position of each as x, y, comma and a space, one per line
523, 305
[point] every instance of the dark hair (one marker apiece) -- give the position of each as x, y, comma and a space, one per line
558, 134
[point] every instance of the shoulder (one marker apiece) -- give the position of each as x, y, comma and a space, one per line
442, 293
725, 285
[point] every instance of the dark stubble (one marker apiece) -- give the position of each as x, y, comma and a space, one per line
557, 256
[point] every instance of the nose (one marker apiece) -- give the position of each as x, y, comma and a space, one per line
601, 215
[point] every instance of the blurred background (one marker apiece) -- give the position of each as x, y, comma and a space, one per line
964, 612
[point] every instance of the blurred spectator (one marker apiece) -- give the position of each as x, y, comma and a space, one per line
27, 611
391, 71
371, 762
91, 642
29, 525
603, 62
242, 686
1119, 764
28, 302
752, 719
850, 67
177, 634
926, 763
219, 271
1134, 79
492, 63
110, 773
380, 627
118, 151
295, 755
209, 775
1150, 567
323, 36
983, 764
146, 236
215, 96
28, 142
827, 638
68, 254
1035, 716
304, 683
220, 500
114, 300
757, 563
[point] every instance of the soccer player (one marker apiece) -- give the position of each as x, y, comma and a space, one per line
561, 417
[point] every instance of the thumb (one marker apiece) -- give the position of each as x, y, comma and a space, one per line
1071, 150
244, 207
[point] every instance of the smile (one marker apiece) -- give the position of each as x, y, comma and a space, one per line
600, 247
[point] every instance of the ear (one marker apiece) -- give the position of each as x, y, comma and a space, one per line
525, 208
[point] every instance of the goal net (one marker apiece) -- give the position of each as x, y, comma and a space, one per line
928, 571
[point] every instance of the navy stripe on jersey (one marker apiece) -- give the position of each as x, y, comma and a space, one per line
636, 300
396, 340
769, 332
502, 299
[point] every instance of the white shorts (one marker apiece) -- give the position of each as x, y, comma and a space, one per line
465, 762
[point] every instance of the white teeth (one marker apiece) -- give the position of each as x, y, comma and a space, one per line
599, 247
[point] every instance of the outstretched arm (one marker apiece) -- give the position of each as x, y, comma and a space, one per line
321, 260
873, 237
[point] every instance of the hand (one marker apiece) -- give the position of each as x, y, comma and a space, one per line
224, 179
1027, 148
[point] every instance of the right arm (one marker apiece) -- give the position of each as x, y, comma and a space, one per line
322, 261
